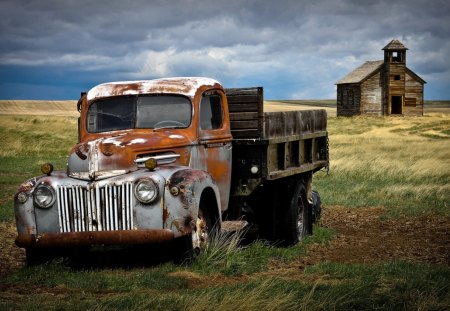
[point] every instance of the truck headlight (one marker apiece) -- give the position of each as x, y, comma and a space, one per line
254, 169
44, 196
146, 191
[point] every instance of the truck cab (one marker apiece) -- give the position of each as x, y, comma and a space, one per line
151, 153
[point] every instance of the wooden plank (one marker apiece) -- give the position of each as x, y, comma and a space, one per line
276, 140
244, 124
273, 124
243, 91
275, 174
243, 99
245, 133
251, 107
237, 116
245, 106
410, 102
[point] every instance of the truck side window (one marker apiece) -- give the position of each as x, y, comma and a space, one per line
211, 112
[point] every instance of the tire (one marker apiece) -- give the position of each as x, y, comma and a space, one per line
298, 216
203, 231
191, 245
316, 206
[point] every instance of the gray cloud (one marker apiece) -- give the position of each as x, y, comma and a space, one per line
303, 45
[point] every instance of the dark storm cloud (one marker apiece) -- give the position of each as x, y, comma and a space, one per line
293, 48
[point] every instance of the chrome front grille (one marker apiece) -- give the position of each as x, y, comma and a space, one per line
95, 209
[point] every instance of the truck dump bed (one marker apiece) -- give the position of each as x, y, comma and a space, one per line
281, 143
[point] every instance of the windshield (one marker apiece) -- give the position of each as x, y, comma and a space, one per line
128, 112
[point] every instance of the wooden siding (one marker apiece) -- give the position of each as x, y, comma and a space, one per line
372, 95
396, 87
246, 112
413, 96
348, 99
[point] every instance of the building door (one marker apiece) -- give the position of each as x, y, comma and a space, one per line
396, 104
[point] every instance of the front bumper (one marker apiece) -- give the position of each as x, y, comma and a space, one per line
70, 239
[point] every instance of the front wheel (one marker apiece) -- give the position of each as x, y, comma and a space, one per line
201, 232
298, 220
189, 246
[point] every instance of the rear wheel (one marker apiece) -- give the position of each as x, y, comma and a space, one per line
316, 206
298, 217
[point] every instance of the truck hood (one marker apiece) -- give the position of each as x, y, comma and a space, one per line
111, 156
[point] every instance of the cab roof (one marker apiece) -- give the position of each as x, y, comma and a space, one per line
186, 86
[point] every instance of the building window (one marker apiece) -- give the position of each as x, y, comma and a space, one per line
397, 77
350, 99
397, 57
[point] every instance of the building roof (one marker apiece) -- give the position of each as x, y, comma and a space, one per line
415, 75
362, 72
395, 45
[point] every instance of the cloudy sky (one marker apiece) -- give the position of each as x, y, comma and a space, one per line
53, 49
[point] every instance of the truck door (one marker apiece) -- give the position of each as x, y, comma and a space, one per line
215, 141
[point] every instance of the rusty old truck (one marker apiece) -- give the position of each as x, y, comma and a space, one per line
171, 159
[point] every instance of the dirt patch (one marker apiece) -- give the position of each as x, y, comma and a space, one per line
11, 257
363, 236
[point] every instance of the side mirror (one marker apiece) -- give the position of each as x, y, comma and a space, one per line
80, 101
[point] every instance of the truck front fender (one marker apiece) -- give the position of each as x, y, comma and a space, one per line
184, 191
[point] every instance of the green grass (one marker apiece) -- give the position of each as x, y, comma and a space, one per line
28, 142
399, 163
391, 285
387, 286
225, 257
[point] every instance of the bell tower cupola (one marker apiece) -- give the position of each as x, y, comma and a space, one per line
395, 77
395, 52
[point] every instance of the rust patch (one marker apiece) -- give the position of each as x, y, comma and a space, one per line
189, 222
119, 237
175, 223
107, 149
124, 88
166, 215
79, 151
27, 186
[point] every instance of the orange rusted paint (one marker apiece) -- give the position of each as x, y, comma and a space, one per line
118, 151
67, 239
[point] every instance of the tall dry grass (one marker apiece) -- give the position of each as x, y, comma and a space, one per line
40, 136
391, 161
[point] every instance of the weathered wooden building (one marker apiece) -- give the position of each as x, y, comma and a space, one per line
383, 87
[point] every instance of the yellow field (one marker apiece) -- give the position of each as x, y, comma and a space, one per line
400, 158
39, 107
68, 107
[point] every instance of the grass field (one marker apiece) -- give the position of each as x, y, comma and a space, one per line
383, 241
